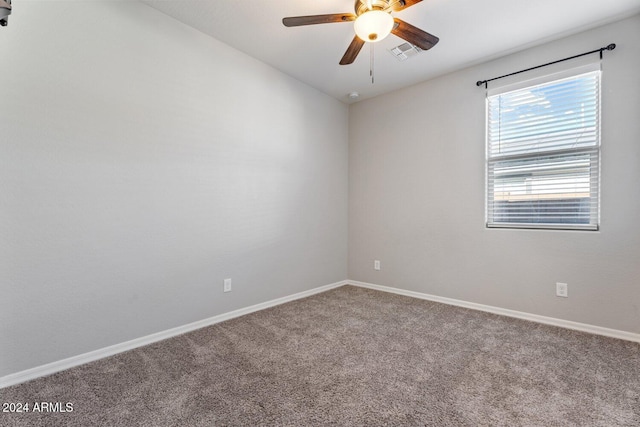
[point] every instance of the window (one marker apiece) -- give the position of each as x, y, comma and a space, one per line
543, 154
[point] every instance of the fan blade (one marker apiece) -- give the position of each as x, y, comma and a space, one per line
398, 5
296, 21
414, 35
352, 51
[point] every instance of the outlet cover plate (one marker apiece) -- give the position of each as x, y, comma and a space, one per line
562, 290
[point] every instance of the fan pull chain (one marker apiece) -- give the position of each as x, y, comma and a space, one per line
371, 62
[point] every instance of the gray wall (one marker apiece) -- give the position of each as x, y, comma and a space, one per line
141, 163
416, 196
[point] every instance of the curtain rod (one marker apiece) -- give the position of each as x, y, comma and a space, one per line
602, 49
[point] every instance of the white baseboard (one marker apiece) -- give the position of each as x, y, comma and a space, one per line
598, 330
61, 365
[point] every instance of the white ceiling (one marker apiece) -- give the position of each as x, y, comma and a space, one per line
470, 31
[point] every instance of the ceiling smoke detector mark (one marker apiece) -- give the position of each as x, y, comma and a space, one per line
405, 51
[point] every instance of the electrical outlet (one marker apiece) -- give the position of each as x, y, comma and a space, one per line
376, 265
562, 290
227, 285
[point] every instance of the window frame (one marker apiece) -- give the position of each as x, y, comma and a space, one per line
594, 151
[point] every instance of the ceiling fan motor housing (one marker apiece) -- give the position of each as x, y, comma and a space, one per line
362, 6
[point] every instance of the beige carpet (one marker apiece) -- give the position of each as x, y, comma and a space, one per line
353, 357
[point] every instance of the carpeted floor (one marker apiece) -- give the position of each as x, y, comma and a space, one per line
352, 357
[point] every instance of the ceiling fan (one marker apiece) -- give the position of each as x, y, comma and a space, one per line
373, 22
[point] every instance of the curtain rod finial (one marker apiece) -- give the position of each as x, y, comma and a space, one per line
611, 46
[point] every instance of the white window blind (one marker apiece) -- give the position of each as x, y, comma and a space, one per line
543, 155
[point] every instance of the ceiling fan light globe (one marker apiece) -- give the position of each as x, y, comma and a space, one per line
373, 26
